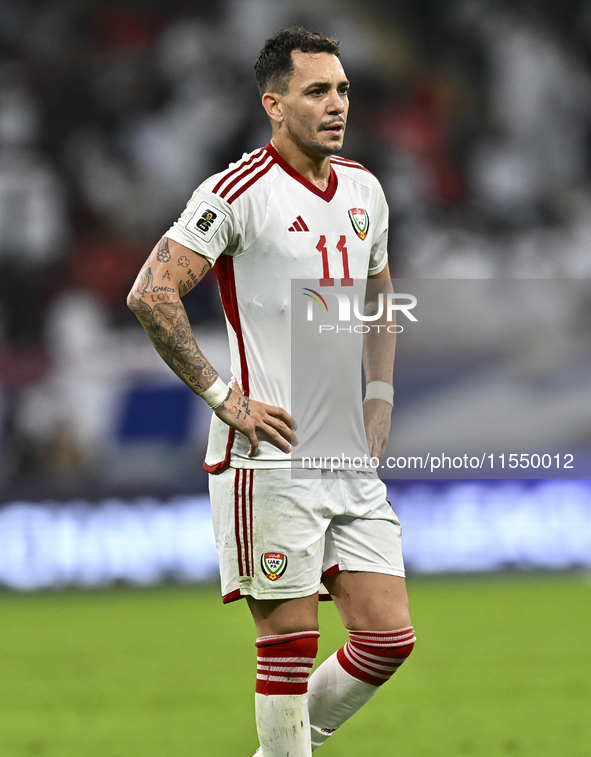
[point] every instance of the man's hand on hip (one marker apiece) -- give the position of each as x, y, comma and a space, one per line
258, 421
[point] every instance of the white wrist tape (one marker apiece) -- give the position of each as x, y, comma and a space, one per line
216, 394
380, 390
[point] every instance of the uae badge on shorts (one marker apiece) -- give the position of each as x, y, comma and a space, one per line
360, 222
273, 565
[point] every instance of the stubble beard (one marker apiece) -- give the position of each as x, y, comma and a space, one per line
314, 147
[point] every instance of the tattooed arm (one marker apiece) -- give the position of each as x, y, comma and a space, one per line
168, 274
378, 362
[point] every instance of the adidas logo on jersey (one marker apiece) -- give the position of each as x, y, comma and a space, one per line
299, 225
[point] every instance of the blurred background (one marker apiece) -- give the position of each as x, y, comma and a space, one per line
475, 116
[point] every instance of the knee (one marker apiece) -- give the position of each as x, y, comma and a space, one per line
278, 617
374, 656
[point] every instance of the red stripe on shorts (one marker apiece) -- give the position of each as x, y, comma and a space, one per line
237, 520
251, 505
245, 521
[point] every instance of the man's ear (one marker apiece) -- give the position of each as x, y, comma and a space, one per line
273, 105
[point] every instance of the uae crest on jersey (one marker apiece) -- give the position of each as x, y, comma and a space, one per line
273, 565
359, 221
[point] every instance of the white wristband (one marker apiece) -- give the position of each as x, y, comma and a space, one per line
380, 390
216, 394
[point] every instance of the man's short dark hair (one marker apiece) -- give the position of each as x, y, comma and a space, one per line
274, 66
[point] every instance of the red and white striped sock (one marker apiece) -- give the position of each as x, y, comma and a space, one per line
283, 666
352, 675
374, 656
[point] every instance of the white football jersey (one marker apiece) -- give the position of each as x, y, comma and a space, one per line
263, 225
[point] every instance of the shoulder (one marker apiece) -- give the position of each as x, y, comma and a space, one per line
352, 170
346, 163
240, 176
359, 177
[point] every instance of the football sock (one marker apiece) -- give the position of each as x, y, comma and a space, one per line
352, 675
281, 701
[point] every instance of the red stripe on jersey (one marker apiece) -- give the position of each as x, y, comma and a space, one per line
243, 174
254, 179
345, 160
302, 223
224, 269
245, 523
237, 520
333, 182
348, 163
229, 173
297, 225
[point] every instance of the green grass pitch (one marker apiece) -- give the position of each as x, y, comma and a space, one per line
501, 668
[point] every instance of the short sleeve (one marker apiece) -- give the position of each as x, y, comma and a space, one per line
208, 225
379, 251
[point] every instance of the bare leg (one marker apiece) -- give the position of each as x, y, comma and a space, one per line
374, 608
279, 616
370, 601
287, 644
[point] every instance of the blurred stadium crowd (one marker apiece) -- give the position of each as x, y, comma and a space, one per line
474, 114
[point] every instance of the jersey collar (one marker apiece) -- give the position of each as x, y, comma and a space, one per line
333, 181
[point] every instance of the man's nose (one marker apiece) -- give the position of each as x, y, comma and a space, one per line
336, 103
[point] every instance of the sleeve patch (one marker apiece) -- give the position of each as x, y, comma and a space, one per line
206, 221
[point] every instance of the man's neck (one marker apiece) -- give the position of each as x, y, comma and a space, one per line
316, 169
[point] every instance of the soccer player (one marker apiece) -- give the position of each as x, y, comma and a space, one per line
290, 210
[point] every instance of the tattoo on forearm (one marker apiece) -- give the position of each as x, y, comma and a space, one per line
164, 318
169, 329
142, 310
164, 297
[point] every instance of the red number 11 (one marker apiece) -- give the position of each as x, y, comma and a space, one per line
326, 281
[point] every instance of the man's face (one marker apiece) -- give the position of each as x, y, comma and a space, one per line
316, 104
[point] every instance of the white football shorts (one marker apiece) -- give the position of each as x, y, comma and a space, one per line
277, 536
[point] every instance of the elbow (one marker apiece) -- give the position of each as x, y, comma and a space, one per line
132, 301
